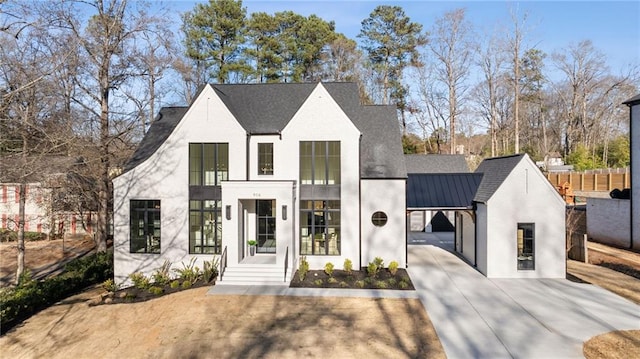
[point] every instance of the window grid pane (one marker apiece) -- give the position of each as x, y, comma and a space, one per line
319, 228
526, 246
144, 226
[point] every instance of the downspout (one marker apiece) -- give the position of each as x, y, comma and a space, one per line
247, 154
475, 235
360, 202
406, 226
631, 132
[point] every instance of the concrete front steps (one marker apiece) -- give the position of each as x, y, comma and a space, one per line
255, 274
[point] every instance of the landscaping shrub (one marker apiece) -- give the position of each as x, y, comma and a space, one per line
332, 280
175, 284
7, 235
162, 275
110, 286
372, 269
381, 284
360, 284
188, 272
139, 280
393, 267
186, 284
318, 282
303, 268
378, 262
156, 290
31, 296
348, 266
211, 269
328, 268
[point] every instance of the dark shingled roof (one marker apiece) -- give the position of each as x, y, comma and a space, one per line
268, 108
495, 171
167, 119
632, 101
442, 190
419, 163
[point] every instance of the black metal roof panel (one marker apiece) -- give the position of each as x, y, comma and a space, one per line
442, 190
436, 163
495, 170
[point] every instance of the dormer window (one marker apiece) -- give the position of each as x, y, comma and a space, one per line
265, 158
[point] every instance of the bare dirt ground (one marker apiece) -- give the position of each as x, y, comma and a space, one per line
191, 324
40, 256
617, 344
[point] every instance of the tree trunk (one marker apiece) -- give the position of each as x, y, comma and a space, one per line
104, 180
21, 220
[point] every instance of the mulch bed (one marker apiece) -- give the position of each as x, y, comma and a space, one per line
354, 280
136, 295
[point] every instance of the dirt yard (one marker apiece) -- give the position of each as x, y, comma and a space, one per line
191, 324
40, 256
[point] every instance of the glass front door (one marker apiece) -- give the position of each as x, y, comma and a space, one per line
266, 226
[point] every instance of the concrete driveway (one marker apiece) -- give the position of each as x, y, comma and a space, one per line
476, 317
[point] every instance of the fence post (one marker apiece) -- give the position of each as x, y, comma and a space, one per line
595, 181
586, 251
582, 181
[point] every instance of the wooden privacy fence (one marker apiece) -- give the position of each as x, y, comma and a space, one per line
581, 181
577, 247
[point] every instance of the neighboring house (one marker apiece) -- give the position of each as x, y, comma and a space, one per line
303, 169
50, 206
634, 137
509, 220
433, 220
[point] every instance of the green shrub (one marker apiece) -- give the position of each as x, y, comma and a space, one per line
110, 286
186, 284
139, 280
343, 284
328, 268
211, 269
130, 297
156, 290
348, 266
392, 281
303, 269
378, 262
188, 272
175, 284
360, 283
7, 235
162, 275
332, 280
369, 280
393, 267
372, 269
31, 296
318, 282
381, 284
403, 284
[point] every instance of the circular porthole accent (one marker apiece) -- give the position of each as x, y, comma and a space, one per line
379, 219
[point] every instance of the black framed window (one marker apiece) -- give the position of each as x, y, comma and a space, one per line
144, 226
205, 227
320, 162
526, 246
320, 227
208, 164
265, 158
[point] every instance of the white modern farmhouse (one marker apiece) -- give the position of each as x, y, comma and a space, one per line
301, 169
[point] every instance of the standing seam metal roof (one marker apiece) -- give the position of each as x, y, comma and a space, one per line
442, 190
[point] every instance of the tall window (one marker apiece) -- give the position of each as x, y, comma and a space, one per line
526, 246
265, 158
205, 227
144, 226
319, 162
208, 163
319, 227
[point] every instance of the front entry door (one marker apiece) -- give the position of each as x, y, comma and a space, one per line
266, 226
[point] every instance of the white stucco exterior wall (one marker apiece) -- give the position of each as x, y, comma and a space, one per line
164, 176
320, 118
465, 228
482, 218
388, 241
525, 197
608, 221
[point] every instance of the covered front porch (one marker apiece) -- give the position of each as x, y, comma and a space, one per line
258, 236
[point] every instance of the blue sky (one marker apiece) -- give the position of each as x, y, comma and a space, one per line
612, 26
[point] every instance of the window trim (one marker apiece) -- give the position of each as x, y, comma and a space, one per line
216, 212
326, 213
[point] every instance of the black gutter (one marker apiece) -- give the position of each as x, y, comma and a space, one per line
475, 235
247, 155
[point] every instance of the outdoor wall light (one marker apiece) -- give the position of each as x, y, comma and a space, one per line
284, 212
228, 212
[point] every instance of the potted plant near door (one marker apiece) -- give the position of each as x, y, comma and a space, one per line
252, 247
